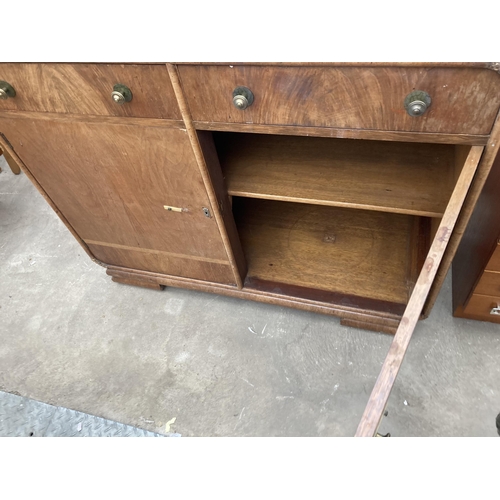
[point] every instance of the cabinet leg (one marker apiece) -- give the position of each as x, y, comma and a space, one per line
375, 326
10, 161
133, 280
127, 281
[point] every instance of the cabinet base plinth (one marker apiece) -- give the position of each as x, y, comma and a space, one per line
378, 321
131, 280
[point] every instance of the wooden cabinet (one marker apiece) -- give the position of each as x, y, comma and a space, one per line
343, 189
323, 193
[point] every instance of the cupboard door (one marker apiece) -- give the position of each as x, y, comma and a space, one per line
112, 182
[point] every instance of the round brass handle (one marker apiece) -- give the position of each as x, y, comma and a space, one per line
121, 94
417, 102
242, 97
6, 90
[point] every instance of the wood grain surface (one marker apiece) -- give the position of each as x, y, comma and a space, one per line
375, 407
112, 182
325, 296
6, 146
211, 160
353, 252
494, 66
464, 100
86, 89
479, 307
494, 262
209, 170
395, 177
144, 284
162, 262
112, 120
489, 284
345, 133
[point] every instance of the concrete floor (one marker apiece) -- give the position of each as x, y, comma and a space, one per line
221, 366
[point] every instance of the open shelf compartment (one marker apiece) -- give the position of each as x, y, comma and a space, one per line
397, 177
361, 258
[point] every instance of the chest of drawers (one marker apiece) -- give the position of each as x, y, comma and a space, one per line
476, 267
332, 188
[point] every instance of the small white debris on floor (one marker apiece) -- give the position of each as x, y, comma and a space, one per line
169, 423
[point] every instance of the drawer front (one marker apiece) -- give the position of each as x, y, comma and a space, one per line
86, 89
494, 262
489, 284
481, 306
464, 100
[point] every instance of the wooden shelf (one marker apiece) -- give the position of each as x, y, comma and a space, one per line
373, 255
396, 177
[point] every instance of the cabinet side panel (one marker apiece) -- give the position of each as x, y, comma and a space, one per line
479, 239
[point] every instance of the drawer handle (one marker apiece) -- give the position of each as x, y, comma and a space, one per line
417, 102
6, 90
496, 310
121, 94
242, 97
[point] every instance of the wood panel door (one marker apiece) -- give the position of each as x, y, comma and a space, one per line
112, 182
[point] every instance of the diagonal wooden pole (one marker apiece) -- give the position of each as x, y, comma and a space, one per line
383, 386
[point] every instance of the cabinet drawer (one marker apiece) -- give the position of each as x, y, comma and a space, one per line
481, 306
494, 262
489, 284
464, 100
86, 89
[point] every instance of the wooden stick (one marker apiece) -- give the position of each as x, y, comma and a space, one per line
383, 386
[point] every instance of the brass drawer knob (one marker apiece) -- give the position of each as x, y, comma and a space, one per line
121, 94
242, 97
417, 102
6, 90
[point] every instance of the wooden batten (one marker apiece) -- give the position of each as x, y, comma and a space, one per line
378, 399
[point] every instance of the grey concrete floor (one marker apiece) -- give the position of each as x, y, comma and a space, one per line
71, 337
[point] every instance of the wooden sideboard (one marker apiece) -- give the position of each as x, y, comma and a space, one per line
336, 188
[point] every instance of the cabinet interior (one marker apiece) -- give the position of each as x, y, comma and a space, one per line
336, 220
